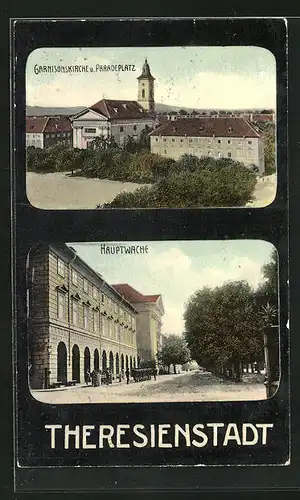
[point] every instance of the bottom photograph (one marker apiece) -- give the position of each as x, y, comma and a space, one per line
156, 321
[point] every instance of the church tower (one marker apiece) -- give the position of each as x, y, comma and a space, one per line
146, 88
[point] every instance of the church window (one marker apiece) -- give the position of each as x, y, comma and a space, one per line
143, 92
121, 129
219, 141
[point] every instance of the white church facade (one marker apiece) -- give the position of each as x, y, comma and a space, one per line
118, 119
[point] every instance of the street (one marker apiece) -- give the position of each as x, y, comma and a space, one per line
58, 191
190, 386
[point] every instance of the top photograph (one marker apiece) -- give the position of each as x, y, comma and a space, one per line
151, 127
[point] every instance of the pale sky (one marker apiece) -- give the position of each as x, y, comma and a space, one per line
176, 270
200, 77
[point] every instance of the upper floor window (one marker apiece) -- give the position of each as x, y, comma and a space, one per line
85, 317
219, 141
95, 321
95, 292
61, 305
102, 298
249, 142
74, 277
134, 127
229, 155
74, 312
85, 285
60, 267
143, 92
121, 129
229, 141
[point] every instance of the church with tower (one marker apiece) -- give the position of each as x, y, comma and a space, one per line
116, 118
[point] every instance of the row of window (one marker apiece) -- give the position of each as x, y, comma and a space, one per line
91, 320
86, 285
58, 134
198, 139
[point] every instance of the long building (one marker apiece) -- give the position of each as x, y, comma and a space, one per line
233, 138
148, 321
76, 320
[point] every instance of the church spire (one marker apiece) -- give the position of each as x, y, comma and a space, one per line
146, 73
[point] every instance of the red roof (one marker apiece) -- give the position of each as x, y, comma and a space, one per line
133, 295
58, 125
36, 125
119, 109
207, 127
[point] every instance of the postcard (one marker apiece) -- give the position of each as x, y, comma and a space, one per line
151, 127
144, 322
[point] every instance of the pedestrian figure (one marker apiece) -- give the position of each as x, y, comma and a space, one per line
127, 373
122, 373
120, 377
87, 377
98, 378
94, 378
154, 373
107, 376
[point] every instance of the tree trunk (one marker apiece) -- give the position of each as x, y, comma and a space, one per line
237, 371
174, 368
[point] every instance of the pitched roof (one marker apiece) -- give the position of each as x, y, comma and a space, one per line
58, 125
133, 295
36, 125
207, 127
112, 108
40, 124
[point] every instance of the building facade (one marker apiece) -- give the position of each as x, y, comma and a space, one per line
110, 118
233, 138
118, 119
148, 321
76, 320
44, 132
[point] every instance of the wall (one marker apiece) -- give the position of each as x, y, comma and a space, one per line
35, 140
248, 151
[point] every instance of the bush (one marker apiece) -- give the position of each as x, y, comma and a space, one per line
218, 187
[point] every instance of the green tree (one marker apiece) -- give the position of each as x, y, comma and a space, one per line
174, 352
103, 143
267, 130
267, 292
223, 327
